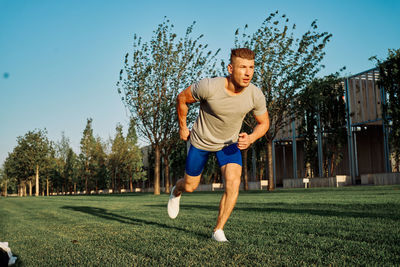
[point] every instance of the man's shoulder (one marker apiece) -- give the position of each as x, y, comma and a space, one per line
207, 87
214, 81
211, 83
255, 89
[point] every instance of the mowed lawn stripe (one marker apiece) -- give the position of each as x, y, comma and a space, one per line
339, 226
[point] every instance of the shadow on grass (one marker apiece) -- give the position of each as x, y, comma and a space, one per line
103, 213
367, 189
112, 195
382, 211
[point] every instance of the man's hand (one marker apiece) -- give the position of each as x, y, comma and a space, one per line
244, 141
184, 133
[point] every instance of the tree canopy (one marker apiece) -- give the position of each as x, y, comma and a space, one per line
29, 157
284, 65
153, 75
320, 109
389, 79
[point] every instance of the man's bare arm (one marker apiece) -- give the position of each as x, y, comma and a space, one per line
185, 97
245, 140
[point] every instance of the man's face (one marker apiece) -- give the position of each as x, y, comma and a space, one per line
241, 71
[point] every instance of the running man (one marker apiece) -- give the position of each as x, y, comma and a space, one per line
224, 102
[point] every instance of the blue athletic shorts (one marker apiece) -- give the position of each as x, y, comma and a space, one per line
197, 158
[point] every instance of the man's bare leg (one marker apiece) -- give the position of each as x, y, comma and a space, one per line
231, 172
186, 184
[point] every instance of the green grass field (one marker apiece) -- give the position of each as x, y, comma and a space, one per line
338, 226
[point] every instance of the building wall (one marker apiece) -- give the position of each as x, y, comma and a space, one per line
284, 162
370, 153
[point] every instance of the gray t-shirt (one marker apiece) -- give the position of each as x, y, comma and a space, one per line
221, 115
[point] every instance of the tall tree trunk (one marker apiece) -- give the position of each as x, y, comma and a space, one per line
131, 184
37, 181
74, 188
86, 181
30, 188
119, 182
65, 185
245, 172
47, 187
333, 165
24, 188
271, 185
5, 189
254, 163
113, 180
166, 176
157, 170
261, 173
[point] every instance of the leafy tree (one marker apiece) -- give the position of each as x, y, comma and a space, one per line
3, 182
6, 182
29, 157
62, 149
99, 166
117, 158
14, 169
92, 161
151, 80
323, 100
86, 156
52, 173
389, 79
131, 136
71, 170
284, 64
135, 165
125, 159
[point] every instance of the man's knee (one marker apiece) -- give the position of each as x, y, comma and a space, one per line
232, 185
191, 183
232, 173
190, 188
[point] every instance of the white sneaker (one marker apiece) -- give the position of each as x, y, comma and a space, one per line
219, 236
173, 204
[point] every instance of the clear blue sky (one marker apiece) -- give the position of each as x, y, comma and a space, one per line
63, 57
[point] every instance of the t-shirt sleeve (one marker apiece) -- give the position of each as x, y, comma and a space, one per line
260, 105
200, 90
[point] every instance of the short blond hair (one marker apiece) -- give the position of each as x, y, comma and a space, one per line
243, 53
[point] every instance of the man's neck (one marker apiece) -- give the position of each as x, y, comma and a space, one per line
232, 87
